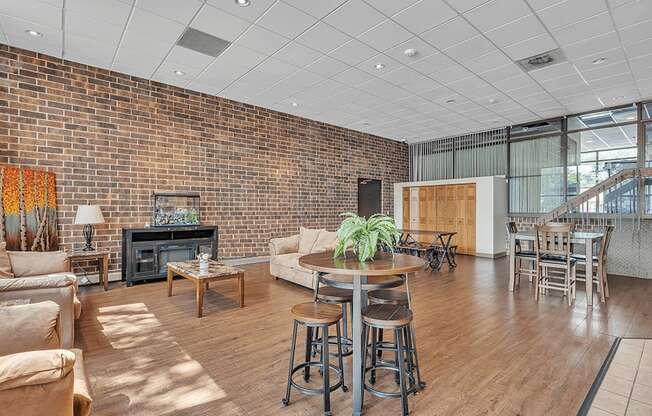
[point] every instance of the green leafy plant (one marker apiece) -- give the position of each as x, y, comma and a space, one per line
364, 235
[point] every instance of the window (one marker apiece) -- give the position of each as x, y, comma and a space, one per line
648, 163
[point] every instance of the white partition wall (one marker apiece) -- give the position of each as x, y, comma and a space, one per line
491, 210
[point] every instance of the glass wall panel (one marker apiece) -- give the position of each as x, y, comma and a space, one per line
536, 181
648, 163
603, 118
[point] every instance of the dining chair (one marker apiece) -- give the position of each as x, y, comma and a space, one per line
522, 256
600, 263
553, 254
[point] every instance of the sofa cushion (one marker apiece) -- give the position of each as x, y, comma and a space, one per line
290, 260
307, 238
327, 240
31, 368
35, 263
29, 327
5, 264
82, 395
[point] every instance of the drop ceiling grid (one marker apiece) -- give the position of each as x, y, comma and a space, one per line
405, 100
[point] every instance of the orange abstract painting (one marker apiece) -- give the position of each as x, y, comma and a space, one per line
28, 209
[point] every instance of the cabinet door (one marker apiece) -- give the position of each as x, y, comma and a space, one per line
145, 261
406, 209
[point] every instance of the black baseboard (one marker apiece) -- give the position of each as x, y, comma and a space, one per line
586, 405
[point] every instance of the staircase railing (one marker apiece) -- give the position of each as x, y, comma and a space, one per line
593, 192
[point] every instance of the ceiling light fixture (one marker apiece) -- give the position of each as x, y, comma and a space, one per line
294, 104
631, 118
598, 61
34, 33
179, 73
379, 66
410, 52
492, 101
451, 101
618, 97
243, 3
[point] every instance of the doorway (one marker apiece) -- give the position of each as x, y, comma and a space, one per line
369, 197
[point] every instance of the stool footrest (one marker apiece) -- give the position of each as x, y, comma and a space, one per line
311, 390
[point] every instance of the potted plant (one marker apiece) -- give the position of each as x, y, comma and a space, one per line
364, 235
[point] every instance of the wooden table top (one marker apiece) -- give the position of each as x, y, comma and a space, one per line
432, 232
383, 264
215, 269
89, 254
576, 236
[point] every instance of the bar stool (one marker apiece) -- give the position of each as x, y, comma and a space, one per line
315, 315
395, 318
344, 298
399, 298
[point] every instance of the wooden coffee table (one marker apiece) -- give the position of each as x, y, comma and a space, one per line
216, 271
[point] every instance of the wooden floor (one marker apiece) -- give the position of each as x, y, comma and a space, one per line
483, 350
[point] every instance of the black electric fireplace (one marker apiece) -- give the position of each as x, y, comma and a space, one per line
147, 251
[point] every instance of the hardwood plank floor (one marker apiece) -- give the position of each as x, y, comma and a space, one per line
483, 350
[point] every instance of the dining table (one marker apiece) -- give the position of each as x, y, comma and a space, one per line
360, 276
588, 239
438, 248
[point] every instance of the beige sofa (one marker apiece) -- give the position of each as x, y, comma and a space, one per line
285, 252
39, 374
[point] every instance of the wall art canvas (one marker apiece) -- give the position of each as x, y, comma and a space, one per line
28, 209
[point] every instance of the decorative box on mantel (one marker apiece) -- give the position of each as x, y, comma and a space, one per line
147, 251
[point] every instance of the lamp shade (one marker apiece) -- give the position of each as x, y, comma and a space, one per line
89, 214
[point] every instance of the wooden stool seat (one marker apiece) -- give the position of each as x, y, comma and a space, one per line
386, 316
392, 297
334, 294
317, 313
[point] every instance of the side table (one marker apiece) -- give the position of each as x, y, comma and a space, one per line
102, 258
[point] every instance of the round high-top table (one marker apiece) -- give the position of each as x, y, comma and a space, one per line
384, 264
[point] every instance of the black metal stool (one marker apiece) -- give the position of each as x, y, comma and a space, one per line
315, 315
343, 297
395, 318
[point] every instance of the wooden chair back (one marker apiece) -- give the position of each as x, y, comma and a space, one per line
604, 245
511, 227
553, 239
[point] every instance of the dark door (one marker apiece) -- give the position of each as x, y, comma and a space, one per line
369, 197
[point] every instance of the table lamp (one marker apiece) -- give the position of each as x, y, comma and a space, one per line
89, 215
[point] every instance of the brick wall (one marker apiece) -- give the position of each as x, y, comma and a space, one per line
113, 139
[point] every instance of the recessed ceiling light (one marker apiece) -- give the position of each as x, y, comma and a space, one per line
179, 73
451, 101
410, 52
294, 104
492, 101
631, 118
365, 124
34, 33
589, 141
598, 61
243, 3
379, 66
618, 97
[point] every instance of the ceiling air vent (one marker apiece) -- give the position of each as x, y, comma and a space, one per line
202, 42
542, 60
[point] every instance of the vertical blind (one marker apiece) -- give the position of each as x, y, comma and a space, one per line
476, 154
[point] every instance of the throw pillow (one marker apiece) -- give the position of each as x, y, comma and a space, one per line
37, 263
5, 264
307, 238
29, 327
325, 241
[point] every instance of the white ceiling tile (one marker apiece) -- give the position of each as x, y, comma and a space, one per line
354, 17
150, 33
423, 50
524, 28
604, 71
471, 48
269, 72
597, 25
230, 65
323, 38
111, 11
610, 56
465, 5
524, 92
420, 83
450, 33
79, 24
14, 29
614, 81
135, 63
180, 10
353, 77
385, 36
353, 52
297, 54
388, 65
487, 62
632, 13
500, 73
529, 47
637, 49
562, 82
570, 11
250, 13
173, 80
400, 75
592, 46
553, 71
636, 33
219, 23
327, 66
168, 68
187, 57
89, 51
451, 74
316, 9
390, 7
424, 15
514, 82
432, 63
262, 40
496, 13
286, 20
33, 11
